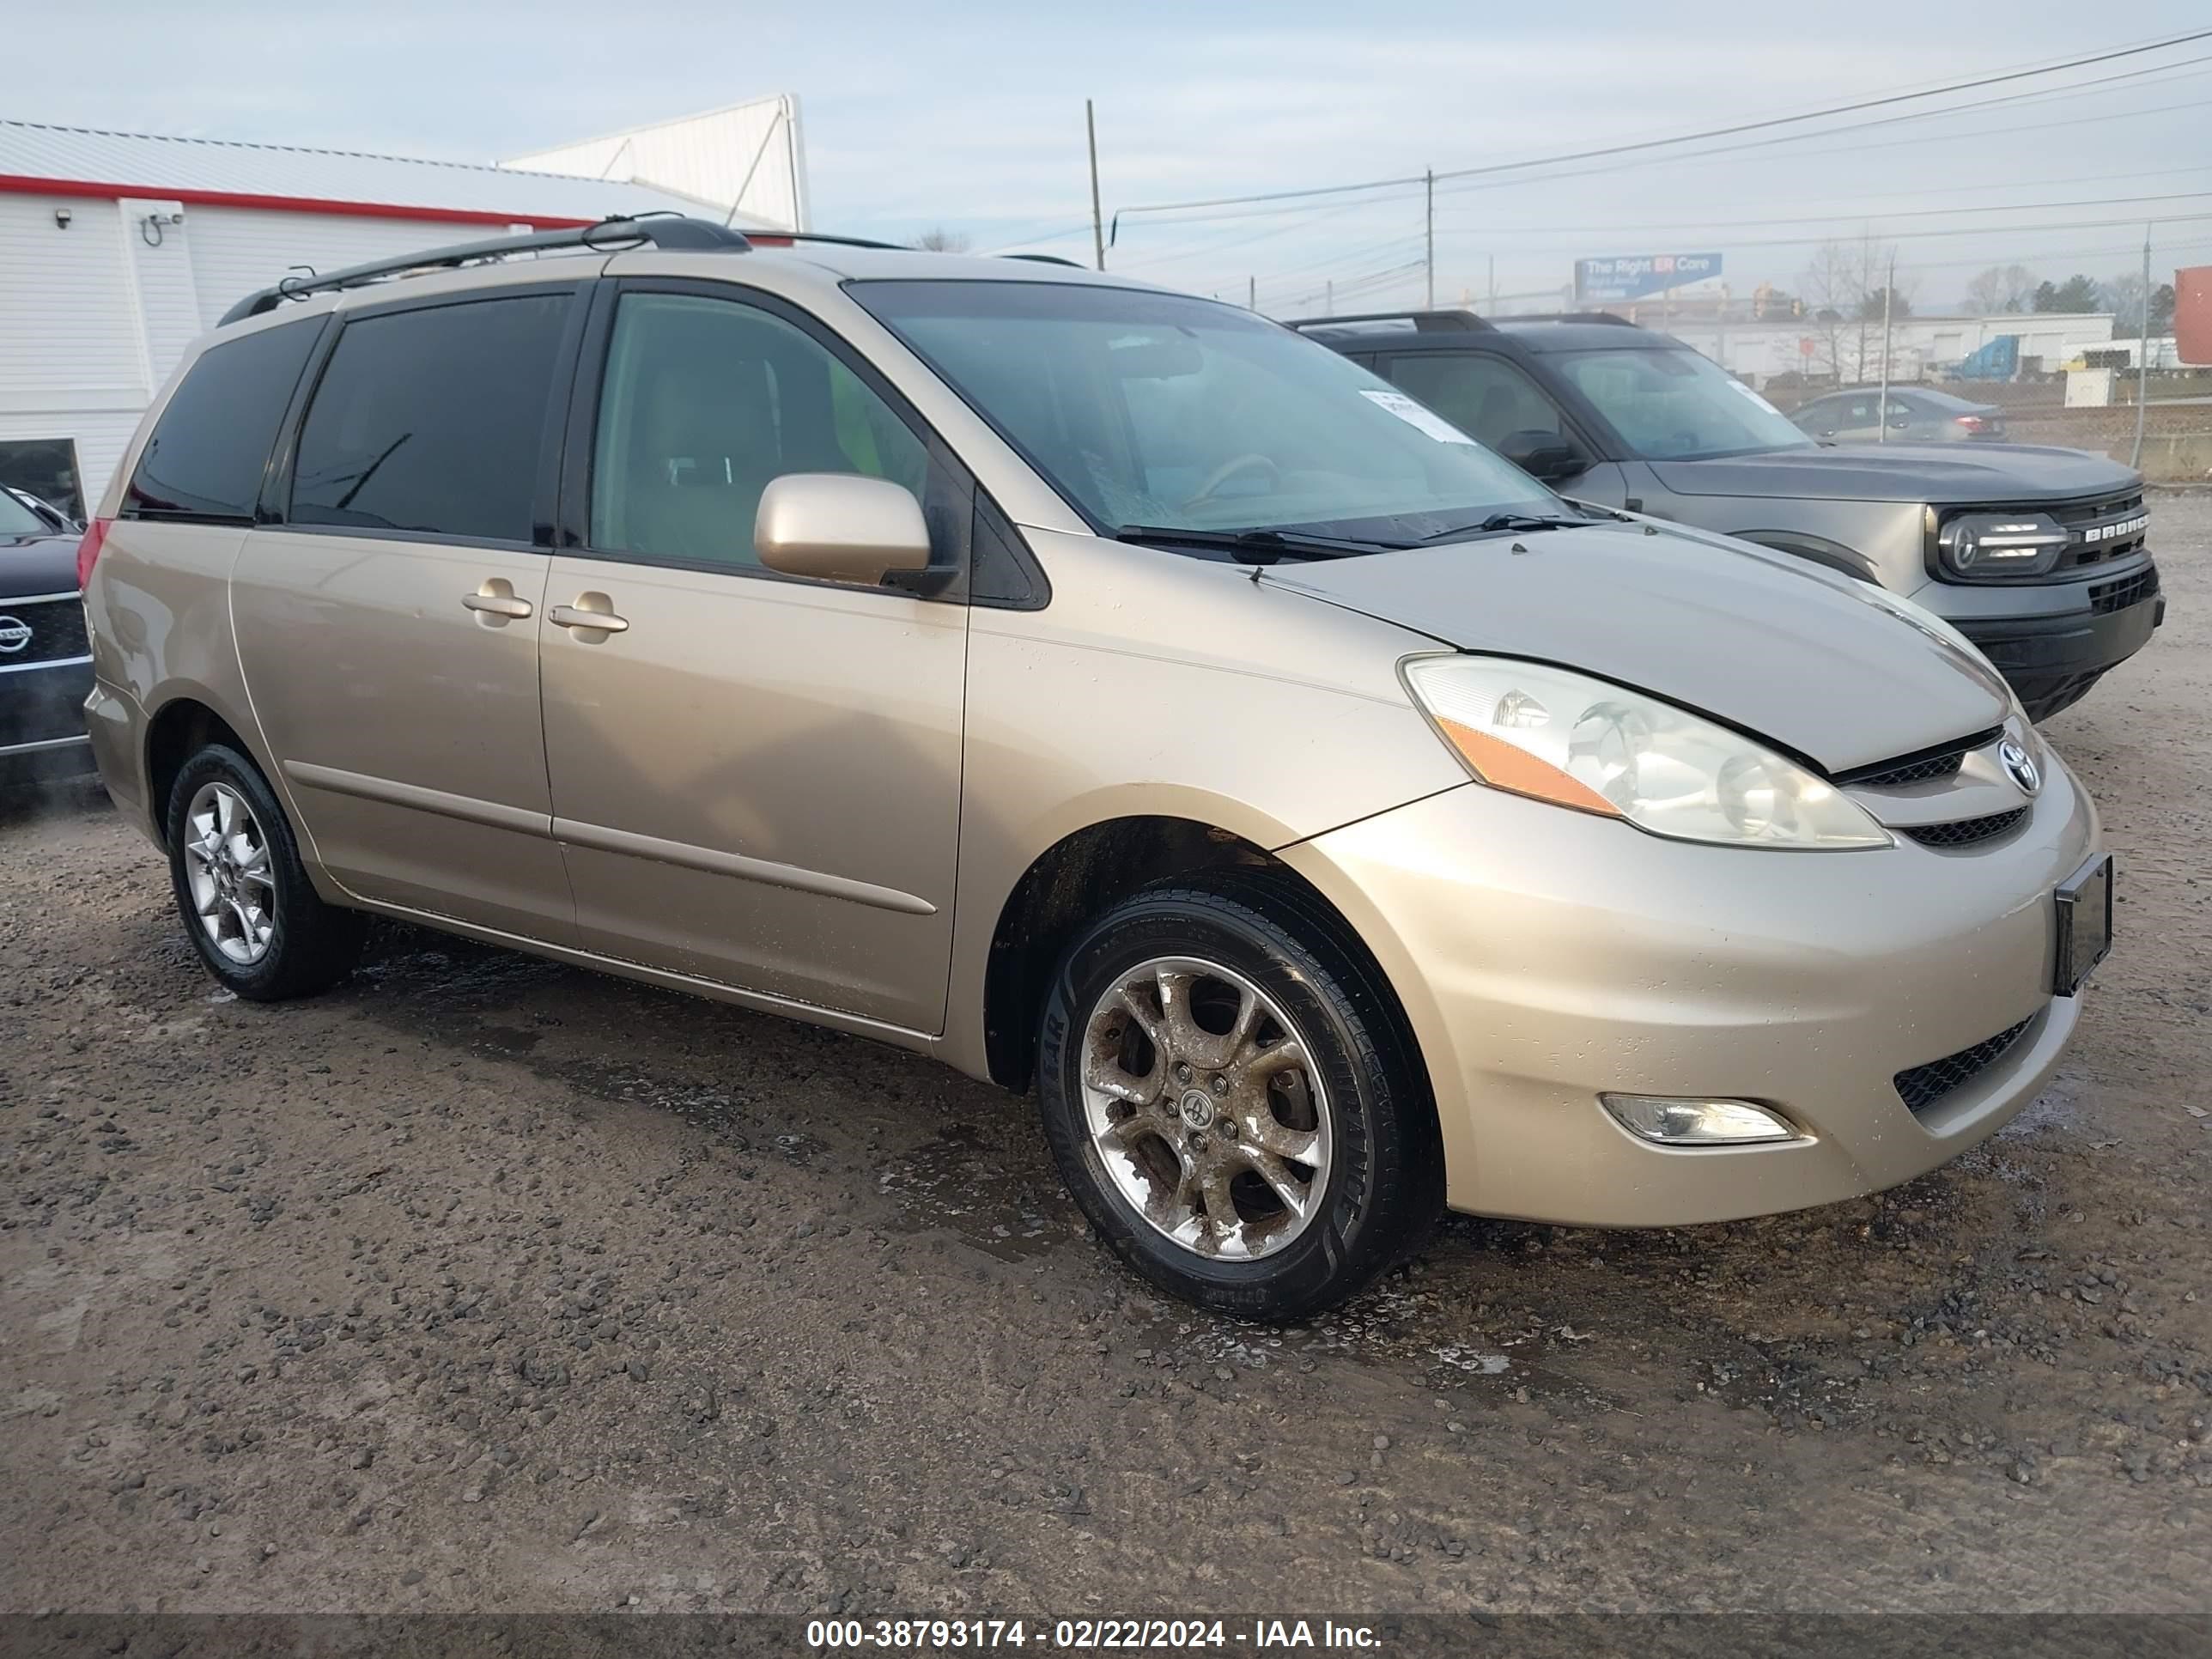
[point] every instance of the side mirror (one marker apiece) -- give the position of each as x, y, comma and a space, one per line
1544, 456
840, 527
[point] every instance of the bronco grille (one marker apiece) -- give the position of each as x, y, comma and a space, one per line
56, 630
2093, 524
1923, 1085
2105, 597
1965, 832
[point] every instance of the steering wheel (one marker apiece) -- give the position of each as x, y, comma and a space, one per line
1229, 469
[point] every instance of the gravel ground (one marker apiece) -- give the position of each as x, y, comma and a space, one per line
483, 1283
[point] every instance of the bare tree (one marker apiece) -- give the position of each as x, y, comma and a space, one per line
1837, 285
941, 240
2003, 289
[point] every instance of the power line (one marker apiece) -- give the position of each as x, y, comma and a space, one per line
1875, 219
1734, 130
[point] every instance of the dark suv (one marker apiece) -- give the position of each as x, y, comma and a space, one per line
46, 667
2041, 556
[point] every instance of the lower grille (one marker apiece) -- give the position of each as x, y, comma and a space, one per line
2107, 597
1965, 832
1925, 1085
56, 630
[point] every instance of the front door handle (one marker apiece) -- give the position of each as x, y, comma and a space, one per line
496, 599
586, 616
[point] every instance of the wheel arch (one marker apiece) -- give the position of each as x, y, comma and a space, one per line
1086, 872
1818, 549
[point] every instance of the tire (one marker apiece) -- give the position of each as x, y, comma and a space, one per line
279, 940
1361, 1153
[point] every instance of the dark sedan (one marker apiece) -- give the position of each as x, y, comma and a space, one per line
1915, 414
45, 666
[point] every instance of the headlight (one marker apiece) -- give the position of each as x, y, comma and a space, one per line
1564, 738
1982, 545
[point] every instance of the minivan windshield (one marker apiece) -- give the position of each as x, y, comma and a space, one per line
1163, 410
1674, 405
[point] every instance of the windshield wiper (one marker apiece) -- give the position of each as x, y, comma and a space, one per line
1259, 547
1498, 521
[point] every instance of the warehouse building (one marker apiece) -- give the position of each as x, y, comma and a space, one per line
117, 249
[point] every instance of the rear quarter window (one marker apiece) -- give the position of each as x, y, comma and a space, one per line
211, 444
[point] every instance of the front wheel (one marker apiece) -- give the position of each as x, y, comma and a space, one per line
247, 905
1233, 1099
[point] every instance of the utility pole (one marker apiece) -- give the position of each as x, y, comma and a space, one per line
1491, 304
1097, 220
1882, 408
1429, 178
1251, 294
2143, 357
1328, 298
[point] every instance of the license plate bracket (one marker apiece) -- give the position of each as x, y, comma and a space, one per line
2084, 902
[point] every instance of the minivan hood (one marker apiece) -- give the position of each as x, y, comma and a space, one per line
1940, 474
1760, 640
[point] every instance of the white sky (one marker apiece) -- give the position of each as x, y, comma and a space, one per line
971, 117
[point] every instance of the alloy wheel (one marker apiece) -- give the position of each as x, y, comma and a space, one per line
1204, 1108
227, 869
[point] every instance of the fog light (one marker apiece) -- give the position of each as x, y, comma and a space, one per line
1689, 1122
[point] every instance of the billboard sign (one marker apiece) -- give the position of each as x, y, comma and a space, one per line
1633, 275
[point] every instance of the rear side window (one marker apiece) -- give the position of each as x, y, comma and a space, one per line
211, 443
433, 420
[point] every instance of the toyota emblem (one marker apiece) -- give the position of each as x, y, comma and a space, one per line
15, 635
2019, 767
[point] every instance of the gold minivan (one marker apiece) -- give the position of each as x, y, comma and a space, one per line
1098, 687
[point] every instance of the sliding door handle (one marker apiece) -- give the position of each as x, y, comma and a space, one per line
495, 602
585, 619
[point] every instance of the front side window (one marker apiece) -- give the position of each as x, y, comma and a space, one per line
1161, 410
208, 448
432, 421
1480, 394
704, 403
1674, 405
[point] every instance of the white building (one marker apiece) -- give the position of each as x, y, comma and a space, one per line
1920, 348
117, 249
749, 155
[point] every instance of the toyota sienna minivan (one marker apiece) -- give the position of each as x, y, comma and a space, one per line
1099, 689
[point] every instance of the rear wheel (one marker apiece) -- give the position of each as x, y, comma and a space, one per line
1233, 1099
247, 905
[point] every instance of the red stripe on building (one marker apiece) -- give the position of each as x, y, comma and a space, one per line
15, 184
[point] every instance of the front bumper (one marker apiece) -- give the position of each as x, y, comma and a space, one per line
42, 732
2052, 658
1546, 956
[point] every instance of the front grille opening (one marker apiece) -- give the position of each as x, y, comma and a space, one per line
2107, 597
1940, 766
1925, 1086
1965, 832
56, 630
1923, 767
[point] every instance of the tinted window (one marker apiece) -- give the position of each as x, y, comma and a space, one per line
206, 456
433, 419
1483, 396
705, 402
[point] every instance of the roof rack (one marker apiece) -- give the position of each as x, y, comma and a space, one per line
670, 231
1612, 319
1424, 322
784, 238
